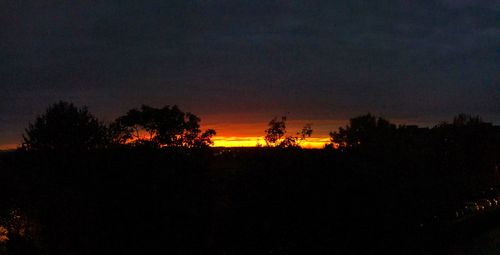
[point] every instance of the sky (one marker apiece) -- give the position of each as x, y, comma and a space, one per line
239, 63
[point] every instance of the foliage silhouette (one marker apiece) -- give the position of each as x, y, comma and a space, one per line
362, 131
165, 127
275, 134
64, 126
463, 120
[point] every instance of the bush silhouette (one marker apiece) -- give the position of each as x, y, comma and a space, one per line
63, 126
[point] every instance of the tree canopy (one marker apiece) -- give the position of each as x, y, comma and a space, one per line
64, 126
364, 130
163, 127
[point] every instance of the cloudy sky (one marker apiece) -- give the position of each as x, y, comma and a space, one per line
242, 61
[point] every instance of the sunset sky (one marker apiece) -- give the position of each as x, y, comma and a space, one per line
239, 63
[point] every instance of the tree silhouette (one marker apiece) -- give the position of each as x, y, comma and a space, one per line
275, 134
364, 130
463, 119
65, 127
167, 126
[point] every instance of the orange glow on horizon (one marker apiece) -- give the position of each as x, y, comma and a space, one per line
248, 133
252, 141
4, 147
232, 141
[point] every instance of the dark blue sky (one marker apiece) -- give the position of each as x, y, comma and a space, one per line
250, 60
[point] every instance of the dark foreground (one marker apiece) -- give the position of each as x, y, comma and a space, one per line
246, 201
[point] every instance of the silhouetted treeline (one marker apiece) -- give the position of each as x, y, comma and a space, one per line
64, 126
379, 189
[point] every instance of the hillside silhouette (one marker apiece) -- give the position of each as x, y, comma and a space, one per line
150, 182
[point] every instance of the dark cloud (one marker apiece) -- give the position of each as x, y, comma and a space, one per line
319, 59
